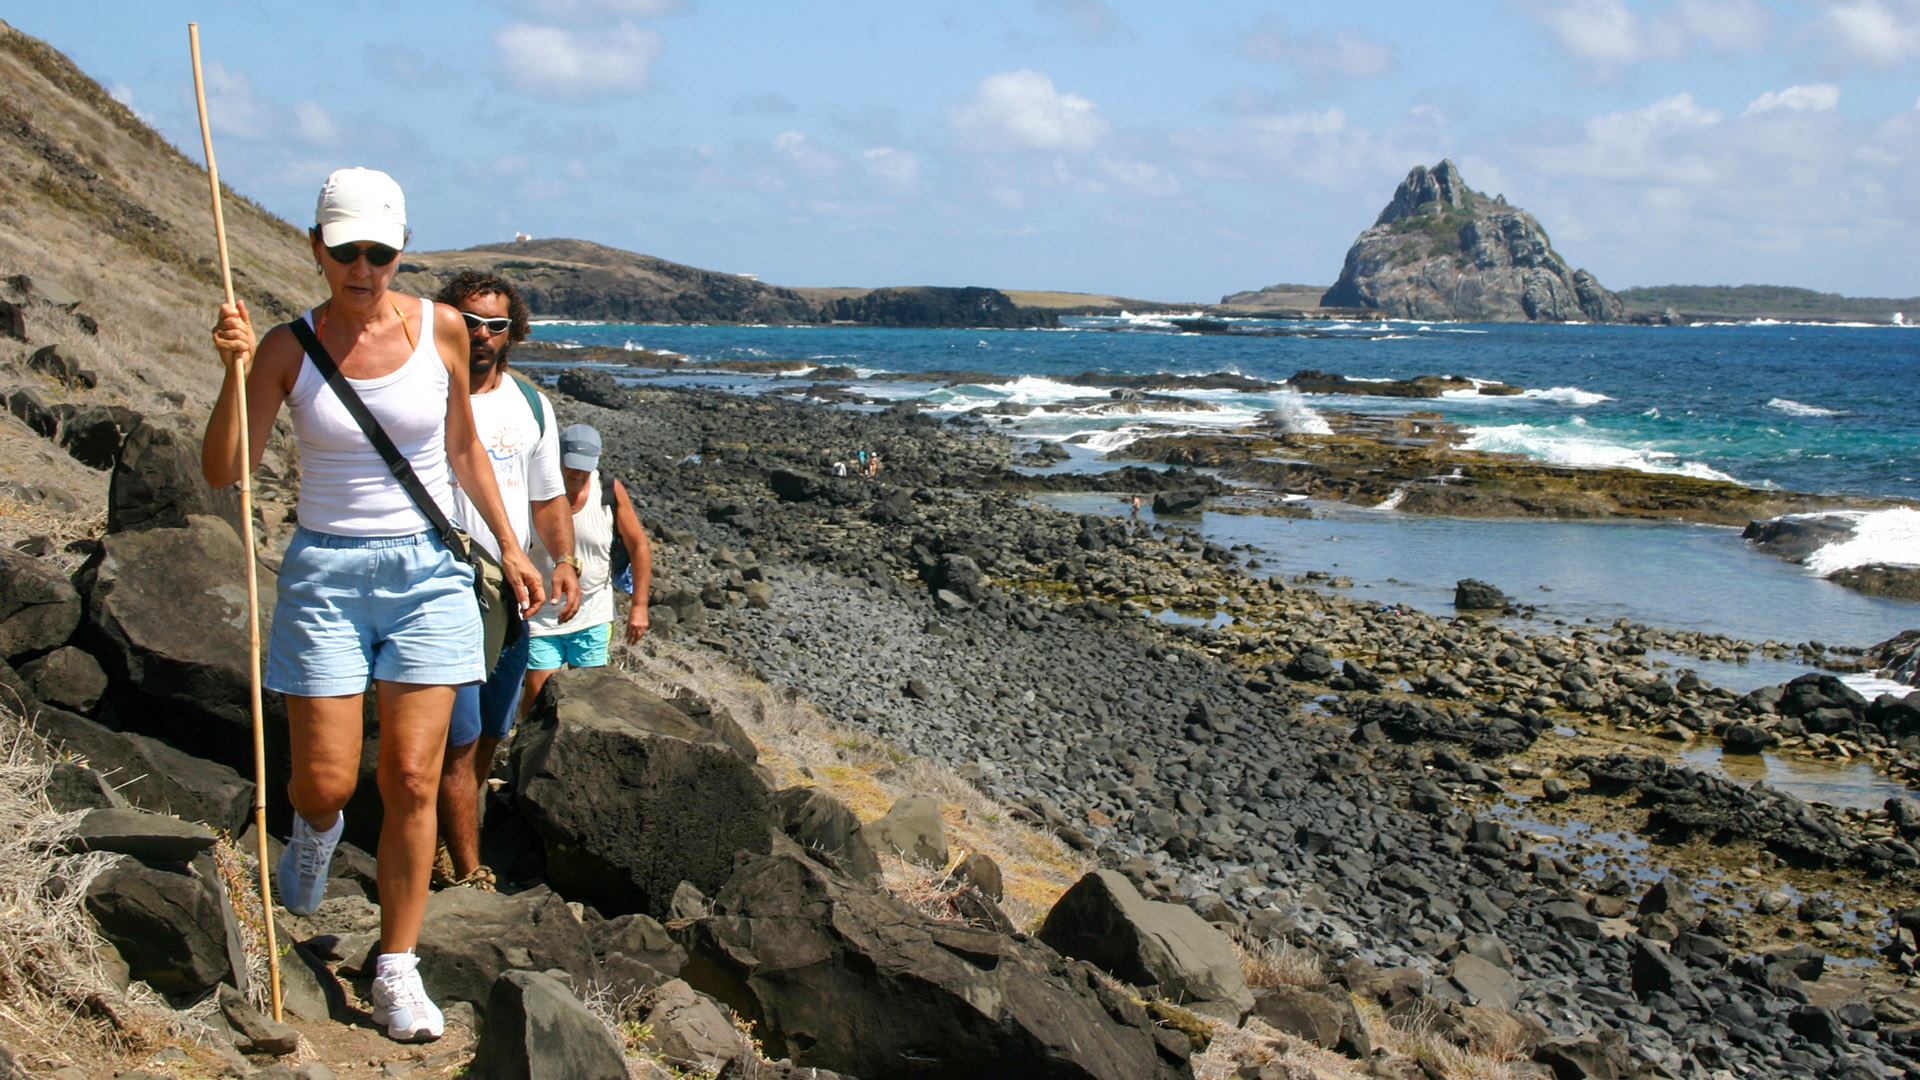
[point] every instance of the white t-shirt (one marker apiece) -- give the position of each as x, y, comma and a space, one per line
526, 463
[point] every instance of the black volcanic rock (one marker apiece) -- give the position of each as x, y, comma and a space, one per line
1441, 250
933, 306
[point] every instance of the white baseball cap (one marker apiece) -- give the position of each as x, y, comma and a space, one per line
361, 204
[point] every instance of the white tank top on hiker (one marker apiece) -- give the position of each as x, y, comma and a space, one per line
345, 487
593, 540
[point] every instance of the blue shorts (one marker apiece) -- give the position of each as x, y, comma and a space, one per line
585, 647
353, 608
488, 708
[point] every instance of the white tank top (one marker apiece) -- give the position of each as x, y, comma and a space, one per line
593, 540
345, 488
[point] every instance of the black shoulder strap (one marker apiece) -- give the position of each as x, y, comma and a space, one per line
397, 463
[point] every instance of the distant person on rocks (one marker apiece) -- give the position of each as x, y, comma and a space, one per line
1136, 508
368, 592
517, 426
863, 463
840, 468
602, 517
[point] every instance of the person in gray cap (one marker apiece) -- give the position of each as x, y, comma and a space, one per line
602, 516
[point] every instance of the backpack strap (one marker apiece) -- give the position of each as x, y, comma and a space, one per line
607, 497
397, 462
532, 394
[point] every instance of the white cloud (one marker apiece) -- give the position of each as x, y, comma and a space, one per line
895, 166
232, 106
1348, 54
1608, 34
1727, 25
1021, 110
1881, 33
1819, 97
315, 123
804, 156
551, 62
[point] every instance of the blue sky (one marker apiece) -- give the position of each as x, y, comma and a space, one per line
1157, 150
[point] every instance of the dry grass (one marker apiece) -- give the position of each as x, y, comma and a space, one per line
59, 1004
1417, 1038
1276, 963
802, 745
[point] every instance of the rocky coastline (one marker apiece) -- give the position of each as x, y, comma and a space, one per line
1366, 789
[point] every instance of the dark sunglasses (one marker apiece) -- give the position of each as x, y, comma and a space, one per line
377, 254
497, 325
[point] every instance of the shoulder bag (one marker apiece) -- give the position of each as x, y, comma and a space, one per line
489, 581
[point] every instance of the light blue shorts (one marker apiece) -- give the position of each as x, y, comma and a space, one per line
585, 647
354, 608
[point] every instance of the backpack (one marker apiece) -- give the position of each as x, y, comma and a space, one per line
619, 563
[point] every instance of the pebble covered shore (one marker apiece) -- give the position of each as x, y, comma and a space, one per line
1292, 762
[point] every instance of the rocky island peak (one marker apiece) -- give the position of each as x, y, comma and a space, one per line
1440, 250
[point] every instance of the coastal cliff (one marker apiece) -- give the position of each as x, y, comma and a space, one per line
1441, 250
579, 279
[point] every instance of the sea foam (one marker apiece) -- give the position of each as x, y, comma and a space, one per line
1796, 408
1890, 537
1578, 445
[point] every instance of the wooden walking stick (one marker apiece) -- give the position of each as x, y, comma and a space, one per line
246, 530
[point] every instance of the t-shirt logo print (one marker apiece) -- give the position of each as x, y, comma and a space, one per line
504, 444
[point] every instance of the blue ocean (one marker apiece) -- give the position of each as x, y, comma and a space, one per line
1811, 408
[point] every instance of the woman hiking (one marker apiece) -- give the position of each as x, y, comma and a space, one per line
367, 590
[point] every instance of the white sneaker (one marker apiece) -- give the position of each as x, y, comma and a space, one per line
302, 870
401, 1003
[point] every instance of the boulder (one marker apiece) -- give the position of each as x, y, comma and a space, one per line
171, 928
29, 409
594, 388
688, 1031
254, 1033
838, 975
156, 482
1324, 1017
979, 870
150, 774
58, 362
633, 796
813, 818
913, 829
639, 937
39, 608
66, 677
166, 615
145, 836
92, 436
1746, 739
471, 937
536, 1029
1471, 594
1105, 921
1483, 982
1183, 501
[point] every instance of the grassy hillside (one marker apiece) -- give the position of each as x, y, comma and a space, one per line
1766, 302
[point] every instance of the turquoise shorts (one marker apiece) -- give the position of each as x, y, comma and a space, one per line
586, 647
351, 608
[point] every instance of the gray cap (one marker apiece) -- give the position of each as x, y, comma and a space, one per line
580, 448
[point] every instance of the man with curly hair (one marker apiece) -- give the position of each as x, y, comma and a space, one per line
517, 427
